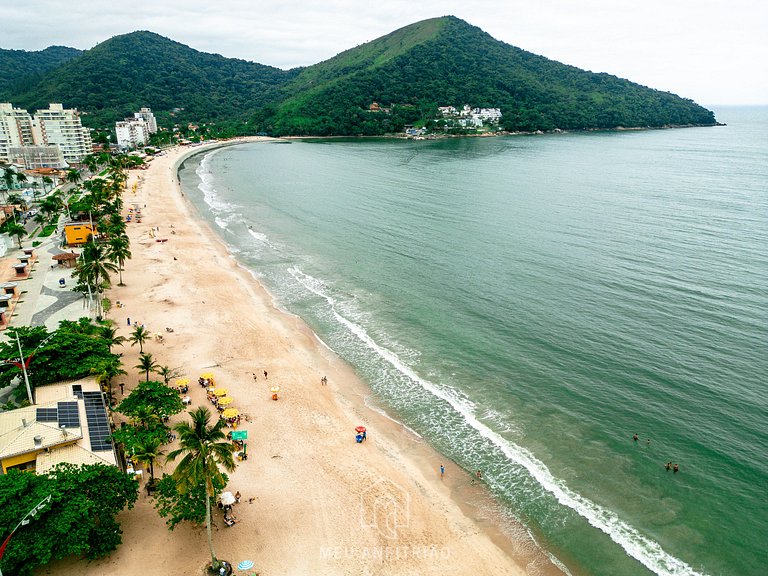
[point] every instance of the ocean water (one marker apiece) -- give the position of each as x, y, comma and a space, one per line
528, 303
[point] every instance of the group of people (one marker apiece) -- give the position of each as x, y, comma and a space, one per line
669, 466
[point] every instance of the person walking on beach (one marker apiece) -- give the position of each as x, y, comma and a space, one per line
265, 374
323, 380
122, 387
442, 470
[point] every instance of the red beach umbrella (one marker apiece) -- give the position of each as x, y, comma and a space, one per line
360, 429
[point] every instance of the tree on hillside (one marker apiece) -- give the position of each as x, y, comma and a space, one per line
80, 519
205, 451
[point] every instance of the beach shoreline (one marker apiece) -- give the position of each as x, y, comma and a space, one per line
314, 501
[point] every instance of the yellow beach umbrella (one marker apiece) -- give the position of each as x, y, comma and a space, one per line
182, 381
231, 413
220, 391
207, 376
226, 400
275, 389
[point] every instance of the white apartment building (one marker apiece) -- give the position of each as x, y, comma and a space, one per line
131, 132
15, 129
60, 127
146, 115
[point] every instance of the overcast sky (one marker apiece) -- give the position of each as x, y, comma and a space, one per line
713, 51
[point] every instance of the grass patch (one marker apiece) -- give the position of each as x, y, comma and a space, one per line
36, 243
47, 231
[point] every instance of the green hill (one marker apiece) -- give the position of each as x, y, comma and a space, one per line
24, 68
445, 61
437, 62
118, 76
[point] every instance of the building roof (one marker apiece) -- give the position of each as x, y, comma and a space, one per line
70, 453
17, 438
60, 417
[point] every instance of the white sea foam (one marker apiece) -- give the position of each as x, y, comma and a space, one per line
378, 410
643, 549
207, 184
261, 238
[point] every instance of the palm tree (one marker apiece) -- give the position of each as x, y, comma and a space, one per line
16, 229
166, 373
105, 372
94, 268
16, 199
147, 451
73, 176
109, 333
139, 336
205, 451
46, 183
119, 251
9, 175
146, 364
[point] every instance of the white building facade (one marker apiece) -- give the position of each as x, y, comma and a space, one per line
15, 129
60, 127
146, 115
131, 132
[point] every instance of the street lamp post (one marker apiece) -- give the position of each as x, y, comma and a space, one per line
23, 522
23, 363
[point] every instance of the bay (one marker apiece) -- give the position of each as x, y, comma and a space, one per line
528, 303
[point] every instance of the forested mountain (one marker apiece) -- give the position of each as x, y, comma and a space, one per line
118, 76
20, 66
410, 72
445, 61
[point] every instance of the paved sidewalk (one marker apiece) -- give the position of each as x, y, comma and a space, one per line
44, 302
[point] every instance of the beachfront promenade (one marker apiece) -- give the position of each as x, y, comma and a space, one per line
43, 301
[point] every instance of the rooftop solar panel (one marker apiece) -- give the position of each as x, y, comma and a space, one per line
98, 424
47, 415
69, 415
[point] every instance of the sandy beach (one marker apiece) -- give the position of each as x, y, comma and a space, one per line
313, 500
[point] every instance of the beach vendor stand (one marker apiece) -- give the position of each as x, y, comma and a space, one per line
239, 438
274, 390
361, 434
232, 416
182, 385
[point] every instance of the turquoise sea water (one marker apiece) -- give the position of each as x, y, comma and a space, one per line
528, 303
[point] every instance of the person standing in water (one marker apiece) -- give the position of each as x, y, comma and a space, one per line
442, 470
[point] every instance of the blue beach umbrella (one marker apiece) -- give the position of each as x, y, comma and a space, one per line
245, 564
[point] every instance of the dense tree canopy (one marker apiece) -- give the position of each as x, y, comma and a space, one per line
79, 520
68, 353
